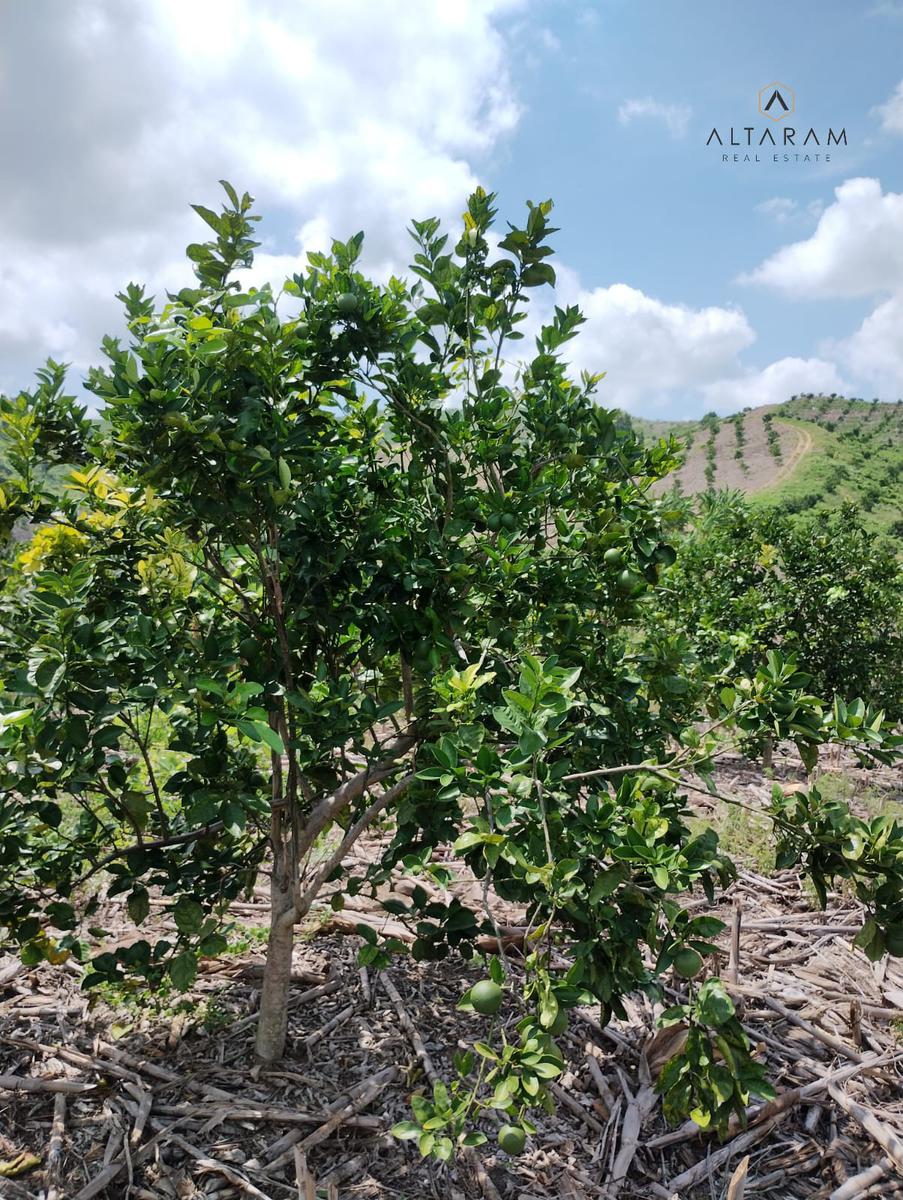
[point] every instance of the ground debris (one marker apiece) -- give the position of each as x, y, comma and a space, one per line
97, 1102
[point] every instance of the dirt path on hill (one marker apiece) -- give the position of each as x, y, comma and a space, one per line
803, 445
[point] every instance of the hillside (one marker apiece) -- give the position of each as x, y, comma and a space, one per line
809, 454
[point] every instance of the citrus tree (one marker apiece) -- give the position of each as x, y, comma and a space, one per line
324, 556
823, 588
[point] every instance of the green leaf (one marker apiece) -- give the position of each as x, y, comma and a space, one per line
258, 732
713, 1004
188, 915
537, 274
406, 1130
138, 904
183, 970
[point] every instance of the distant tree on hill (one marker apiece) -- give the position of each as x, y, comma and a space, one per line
823, 588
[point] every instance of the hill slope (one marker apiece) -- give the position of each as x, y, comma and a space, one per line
809, 454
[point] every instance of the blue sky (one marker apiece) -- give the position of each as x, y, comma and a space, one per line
656, 208
706, 284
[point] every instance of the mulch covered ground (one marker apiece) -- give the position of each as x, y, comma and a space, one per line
169, 1103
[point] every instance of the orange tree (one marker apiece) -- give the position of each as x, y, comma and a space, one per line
325, 555
824, 588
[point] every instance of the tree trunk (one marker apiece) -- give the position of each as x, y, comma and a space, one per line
273, 1016
767, 754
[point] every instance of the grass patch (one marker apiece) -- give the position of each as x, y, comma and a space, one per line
746, 837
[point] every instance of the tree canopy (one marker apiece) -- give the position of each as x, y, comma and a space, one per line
326, 554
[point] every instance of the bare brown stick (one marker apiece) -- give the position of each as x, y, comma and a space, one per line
277, 1148
408, 1026
366, 991
10, 1190
856, 1023
54, 1161
111, 1170
366, 1096
155, 1071
214, 1166
307, 1185
877, 1130
145, 1100
302, 908
736, 918
318, 1035
788, 1014
858, 1185
737, 1186
30, 1083
701, 1170
639, 1106
605, 1092
330, 807
577, 1109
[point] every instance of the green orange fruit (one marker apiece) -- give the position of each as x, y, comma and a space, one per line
627, 582
486, 997
512, 1139
688, 963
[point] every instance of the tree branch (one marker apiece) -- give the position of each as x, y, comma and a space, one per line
302, 908
330, 806
325, 812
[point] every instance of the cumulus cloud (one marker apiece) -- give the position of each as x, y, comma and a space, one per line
655, 354
337, 116
856, 249
676, 117
891, 112
774, 384
874, 353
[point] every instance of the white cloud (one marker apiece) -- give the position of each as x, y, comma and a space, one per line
856, 249
874, 353
655, 354
675, 116
661, 358
891, 112
337, 116
780, 208
774, 384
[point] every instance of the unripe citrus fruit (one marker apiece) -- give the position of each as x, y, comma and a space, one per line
347, 304
627, 582
688, 963
612, 557
512, 1139
486, 997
